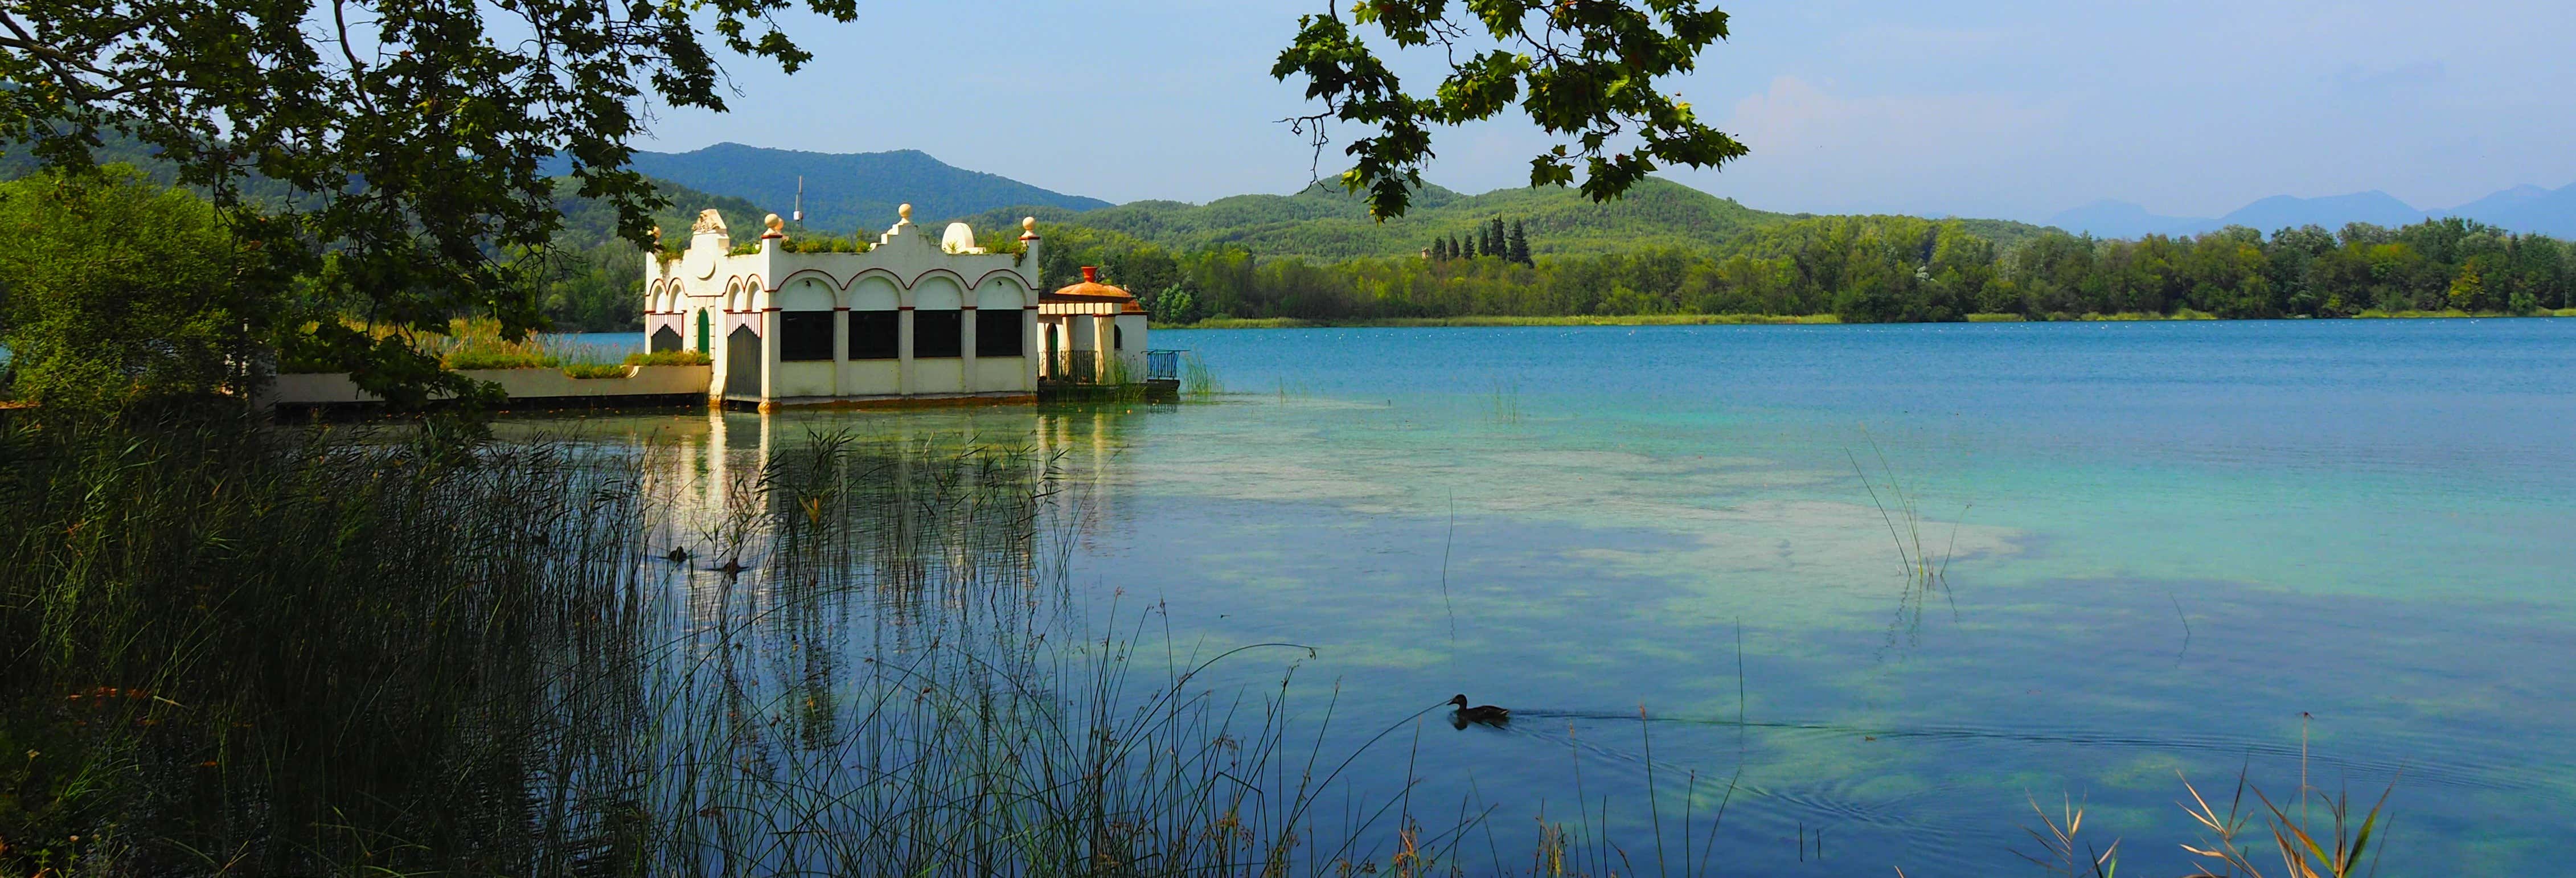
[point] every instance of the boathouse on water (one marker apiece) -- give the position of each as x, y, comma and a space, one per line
910, 319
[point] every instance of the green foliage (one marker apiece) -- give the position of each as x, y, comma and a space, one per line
595, 281
116, 291
1321, 223
1880, 269
594, 370
1587, 72
827, 244
407, 139
669, 358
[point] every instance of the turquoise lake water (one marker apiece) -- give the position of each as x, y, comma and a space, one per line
2160, 549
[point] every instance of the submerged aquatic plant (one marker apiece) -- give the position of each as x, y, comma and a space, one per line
1924, 575
1504, 400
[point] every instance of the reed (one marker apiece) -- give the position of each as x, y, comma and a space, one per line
231, 649
1503, 400
1198, 381
1900, 509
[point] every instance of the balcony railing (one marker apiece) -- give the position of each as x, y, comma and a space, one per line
1162, 365
1075, 367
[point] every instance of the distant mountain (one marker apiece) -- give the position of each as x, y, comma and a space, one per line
2525, 208
846, 192
2120, 219
1323, 222
1327, 223
2283, 211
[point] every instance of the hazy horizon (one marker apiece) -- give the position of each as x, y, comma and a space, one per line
2017, 111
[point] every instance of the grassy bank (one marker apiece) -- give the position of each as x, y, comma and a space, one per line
1505, 320
2375, 313
1765, 319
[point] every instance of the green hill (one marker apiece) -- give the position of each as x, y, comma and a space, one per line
847, 192
1327, 224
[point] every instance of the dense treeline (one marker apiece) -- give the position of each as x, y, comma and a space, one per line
1857, 268
1879, 269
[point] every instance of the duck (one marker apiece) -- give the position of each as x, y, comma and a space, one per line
731, 567
1486, 714
678, 555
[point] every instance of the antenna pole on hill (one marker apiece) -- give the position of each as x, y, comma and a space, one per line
799, 212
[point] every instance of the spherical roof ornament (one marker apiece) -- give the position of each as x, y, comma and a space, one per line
904, 211
777, 227
1028, 228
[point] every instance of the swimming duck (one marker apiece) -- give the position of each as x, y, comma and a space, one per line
1486, 713
731, 567
678, 555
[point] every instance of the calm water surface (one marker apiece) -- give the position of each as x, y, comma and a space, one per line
2165, 549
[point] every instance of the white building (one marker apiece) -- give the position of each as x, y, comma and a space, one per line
912, 318
1077, 323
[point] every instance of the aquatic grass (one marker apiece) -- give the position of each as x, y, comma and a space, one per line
1923, 574
2062, 849
864, 658
2338, 849
1503, 400
1198, 381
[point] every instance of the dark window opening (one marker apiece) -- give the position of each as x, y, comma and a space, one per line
938, 334
1001, 333
875, 335
804, 335
665, 339
1117, 338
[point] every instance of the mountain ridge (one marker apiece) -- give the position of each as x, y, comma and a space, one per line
845, 192
2525, 208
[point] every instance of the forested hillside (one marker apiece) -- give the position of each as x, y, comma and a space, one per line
1877, 268
849, 192
1327, 224
1664, 250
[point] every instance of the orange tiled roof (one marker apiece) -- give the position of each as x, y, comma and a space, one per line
1093, 290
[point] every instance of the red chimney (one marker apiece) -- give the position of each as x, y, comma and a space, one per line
1091, 274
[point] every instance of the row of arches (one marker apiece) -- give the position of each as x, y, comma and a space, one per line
873, 290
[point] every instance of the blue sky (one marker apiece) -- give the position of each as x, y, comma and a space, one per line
2006, 109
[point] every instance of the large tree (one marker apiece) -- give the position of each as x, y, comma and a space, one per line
116, 291
1585, 70
384, 155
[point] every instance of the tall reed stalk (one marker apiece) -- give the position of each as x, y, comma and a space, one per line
231, 650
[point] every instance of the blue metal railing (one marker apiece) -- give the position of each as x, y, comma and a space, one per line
1163, 365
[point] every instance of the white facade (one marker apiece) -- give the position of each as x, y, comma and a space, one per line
1092, 333
912, 318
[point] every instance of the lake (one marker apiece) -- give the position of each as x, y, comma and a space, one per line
1890, 583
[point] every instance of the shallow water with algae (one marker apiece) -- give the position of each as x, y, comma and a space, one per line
1870, 589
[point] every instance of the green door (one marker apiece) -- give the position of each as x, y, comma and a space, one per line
702, 332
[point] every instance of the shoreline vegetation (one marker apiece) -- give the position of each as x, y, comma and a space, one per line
1774, 319
857, 657
1858, 269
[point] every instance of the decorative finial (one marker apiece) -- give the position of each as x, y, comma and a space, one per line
708, 221
904, 211
777, 227
1028, 228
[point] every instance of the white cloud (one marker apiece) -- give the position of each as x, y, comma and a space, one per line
1816, 149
